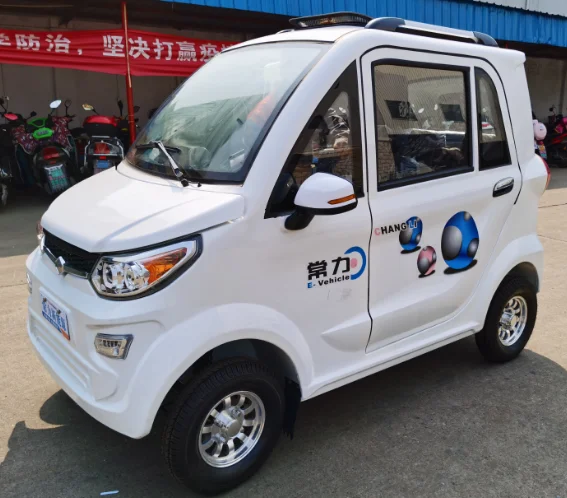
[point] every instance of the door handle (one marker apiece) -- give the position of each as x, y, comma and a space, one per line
503, 187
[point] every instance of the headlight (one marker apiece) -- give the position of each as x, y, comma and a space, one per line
124, 276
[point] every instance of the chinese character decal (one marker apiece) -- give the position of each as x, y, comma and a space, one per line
58, 44
317, 269
187, 52
4, 40
208, 51
113, 46
27, 42
139, 47
349, 266
161, 46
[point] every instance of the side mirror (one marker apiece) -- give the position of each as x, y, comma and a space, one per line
88, 107
120, 106
321, 194
33, 114
136, 108
55, 104
68, 103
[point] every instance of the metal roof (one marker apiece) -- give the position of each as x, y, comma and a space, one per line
501, 23
553, 7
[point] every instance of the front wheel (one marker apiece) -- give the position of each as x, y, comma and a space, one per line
509, 322
224, 425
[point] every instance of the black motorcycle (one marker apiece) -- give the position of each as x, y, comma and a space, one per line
8, 163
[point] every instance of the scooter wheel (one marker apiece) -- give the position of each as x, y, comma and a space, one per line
561, 158
3, 195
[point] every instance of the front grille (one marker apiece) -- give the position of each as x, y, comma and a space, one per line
74, 257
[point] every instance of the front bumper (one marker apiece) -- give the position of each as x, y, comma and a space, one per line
106, 388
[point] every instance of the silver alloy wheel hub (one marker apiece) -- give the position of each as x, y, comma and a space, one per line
231, 429
513, 321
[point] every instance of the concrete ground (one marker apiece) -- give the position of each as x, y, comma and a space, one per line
445, 424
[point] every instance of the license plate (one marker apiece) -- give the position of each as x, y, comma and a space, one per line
55, 317
102, 164
57, 177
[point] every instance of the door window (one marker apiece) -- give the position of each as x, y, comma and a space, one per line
329, 143
422, 123
493, 146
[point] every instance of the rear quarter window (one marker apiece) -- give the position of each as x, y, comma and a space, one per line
492, 141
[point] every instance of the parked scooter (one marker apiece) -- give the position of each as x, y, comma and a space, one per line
7, 156
104, 148
108, 136
79, 137
556, 140
47, 148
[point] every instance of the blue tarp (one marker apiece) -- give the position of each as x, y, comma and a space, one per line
500, 22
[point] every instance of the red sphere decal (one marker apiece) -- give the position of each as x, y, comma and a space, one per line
426, 261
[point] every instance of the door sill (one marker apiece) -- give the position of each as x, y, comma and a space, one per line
388, 356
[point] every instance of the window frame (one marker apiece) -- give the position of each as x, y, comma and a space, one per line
347, 82
508, 161
467, 72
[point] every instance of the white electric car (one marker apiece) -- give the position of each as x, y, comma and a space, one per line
308, 209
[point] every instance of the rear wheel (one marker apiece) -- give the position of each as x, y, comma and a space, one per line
223, 425
509, 322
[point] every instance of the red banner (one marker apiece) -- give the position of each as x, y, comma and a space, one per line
151, 54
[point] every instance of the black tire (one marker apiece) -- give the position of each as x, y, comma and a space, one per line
487, 339
180, 439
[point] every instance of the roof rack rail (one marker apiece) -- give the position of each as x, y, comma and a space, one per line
332, 19
399, 25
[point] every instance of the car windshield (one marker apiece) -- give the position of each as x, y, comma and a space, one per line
217, 117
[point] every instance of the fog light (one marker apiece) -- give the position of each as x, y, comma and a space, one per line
29, 280
113, 346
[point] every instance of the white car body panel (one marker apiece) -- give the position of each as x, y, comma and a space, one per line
124, 214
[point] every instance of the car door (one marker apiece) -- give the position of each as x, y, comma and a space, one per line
321, 270
438, 201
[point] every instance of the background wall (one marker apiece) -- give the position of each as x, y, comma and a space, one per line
546, 79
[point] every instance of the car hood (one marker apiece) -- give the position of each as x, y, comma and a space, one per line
113, 212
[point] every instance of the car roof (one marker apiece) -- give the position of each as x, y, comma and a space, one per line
326, 35
336, 34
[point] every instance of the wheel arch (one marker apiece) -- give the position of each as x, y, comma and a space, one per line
525, 270
263, 351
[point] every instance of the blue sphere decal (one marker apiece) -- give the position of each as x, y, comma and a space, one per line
411, 235
459, 241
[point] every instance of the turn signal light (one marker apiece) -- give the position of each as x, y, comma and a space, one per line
160, 265
340, 200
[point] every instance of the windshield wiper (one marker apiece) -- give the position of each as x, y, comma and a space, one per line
158, 144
